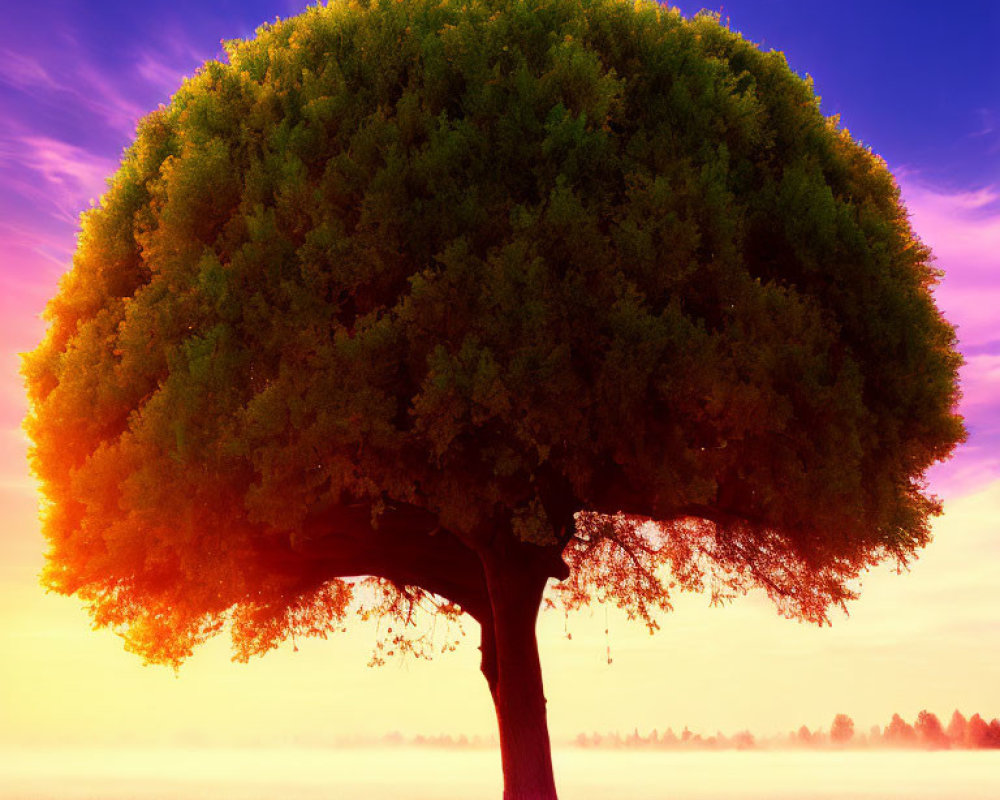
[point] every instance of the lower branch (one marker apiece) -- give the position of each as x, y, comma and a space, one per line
405, 546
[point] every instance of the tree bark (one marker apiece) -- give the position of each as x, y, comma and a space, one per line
515, 586
488, 648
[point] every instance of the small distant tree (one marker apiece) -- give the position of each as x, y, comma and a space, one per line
900, 733
804, 736
742, 740
957, 729
929, 731
452, 299
978, 733
842, 730
994, 734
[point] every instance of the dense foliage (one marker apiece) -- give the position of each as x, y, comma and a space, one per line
500, 261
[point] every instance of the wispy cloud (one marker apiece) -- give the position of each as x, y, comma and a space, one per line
51, 173
23, 239
72, 169
159, 73
24, 72
162, 62
963, 230
76, 82
981, 381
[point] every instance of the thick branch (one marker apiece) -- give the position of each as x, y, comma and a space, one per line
405, 545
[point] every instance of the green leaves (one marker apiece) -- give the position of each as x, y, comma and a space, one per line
502, 260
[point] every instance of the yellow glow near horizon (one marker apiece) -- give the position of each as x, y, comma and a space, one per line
921, 640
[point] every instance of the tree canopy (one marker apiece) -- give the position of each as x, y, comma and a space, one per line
405, 280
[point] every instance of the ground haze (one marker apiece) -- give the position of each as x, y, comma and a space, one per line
422, 774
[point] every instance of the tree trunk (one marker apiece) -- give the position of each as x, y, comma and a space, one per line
488, 647
514, 674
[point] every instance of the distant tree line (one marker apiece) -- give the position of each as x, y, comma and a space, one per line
442, 740
925, 733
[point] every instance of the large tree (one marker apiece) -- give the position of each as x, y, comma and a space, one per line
459, 297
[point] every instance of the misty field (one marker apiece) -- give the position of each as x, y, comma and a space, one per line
431, 774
